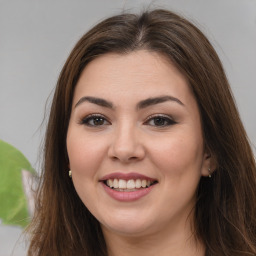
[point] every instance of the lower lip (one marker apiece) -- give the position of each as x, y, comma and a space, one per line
127, 196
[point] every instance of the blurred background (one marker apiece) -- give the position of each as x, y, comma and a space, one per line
37, 36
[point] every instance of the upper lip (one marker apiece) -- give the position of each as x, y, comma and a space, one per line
126, 176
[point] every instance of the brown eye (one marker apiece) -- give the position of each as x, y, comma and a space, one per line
95, 120
160, 121
98, 121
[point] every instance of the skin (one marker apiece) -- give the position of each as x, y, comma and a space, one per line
128, 139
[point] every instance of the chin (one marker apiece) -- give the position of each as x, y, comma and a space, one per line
128, 224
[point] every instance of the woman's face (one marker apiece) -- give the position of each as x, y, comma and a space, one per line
135, 143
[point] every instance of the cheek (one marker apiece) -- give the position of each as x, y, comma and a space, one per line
84, 158
179, 155
179, 162
84, 154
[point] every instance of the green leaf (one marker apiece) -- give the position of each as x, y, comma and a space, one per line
13, 202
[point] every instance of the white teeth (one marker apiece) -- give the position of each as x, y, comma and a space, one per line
144, 183
138, 183
122, 184
110, 183
115, 183
129, 184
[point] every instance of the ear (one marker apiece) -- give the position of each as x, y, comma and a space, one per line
209, 164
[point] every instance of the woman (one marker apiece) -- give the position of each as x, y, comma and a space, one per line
145, 152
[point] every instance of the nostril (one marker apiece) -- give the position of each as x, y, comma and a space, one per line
133, 158
124, 158
125, 148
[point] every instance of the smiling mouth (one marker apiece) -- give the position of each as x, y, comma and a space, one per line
129, 185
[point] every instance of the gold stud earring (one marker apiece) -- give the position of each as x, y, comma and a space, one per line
210, 173
70, 173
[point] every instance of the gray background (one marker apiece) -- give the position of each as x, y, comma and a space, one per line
37, 36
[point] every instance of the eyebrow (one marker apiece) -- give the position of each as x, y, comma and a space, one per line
153, 101
94, 100
142, 104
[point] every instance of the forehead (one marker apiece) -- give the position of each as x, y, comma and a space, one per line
140, 74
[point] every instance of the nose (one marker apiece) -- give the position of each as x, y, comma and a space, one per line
126, 145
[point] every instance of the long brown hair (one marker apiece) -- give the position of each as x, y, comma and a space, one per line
225, 212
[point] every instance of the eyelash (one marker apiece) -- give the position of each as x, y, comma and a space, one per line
164, 119
168, 121
93, 117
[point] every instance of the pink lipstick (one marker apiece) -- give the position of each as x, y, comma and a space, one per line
127, 186
125, 176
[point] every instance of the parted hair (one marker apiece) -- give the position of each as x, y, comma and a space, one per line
225, 210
